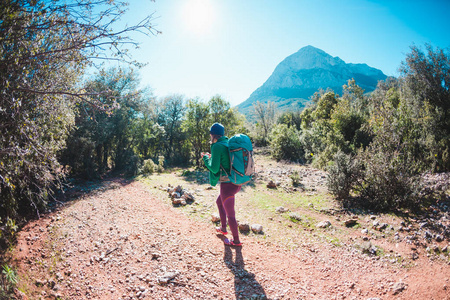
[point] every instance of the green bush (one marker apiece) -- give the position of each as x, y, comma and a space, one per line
342, 175
389, 181
149, 167
285, 143
9, 279
296, 178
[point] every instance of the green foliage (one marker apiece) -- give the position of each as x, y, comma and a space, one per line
265, 117
295, 177
8, 232
325, 106
196, 125
220, 111
106, 140
335, 124
390, 180
199, 117
9, 279
149, 167
291, 119
343, 174
348, 123
426, 84
171, 110
285, 143
45, 48
376, 147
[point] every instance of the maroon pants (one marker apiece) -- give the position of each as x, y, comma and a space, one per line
225, 204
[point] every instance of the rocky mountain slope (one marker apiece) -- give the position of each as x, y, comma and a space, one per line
301, 74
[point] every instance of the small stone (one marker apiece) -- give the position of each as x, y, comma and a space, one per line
439, 238
271, 185
39, 282
382, 226
167, 277
422, 225
215, 218
398, 288
257, 228
295, 217
350, 222
244, 227
281, 209
176, 201
365, 231
324, 224
428, 235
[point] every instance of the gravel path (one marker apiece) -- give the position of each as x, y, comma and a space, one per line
120, 242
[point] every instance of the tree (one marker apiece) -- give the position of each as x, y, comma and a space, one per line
427, 93
285, 143
265, 116
149, 135
291, 119
108, 139
170, 116
196, 124
45, 48
221, 112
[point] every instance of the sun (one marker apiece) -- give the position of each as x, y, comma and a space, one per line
198, 16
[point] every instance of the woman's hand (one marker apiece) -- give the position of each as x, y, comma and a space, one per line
207, 154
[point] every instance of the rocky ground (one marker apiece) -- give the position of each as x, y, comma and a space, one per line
130, 240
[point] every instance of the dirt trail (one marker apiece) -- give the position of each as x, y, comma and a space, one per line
121, 242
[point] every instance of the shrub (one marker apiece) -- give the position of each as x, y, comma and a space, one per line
285, 143
295, 177
149, 167
160, 166
9, 280
342, 175
389, 181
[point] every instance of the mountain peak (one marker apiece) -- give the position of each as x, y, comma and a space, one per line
310, 48
310, 57
303, 73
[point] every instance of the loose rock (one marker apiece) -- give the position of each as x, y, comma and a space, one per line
281, 209
324, 224
256, 228
167, 277
271, 185
398, 288
244, 227
350, 222
215, 218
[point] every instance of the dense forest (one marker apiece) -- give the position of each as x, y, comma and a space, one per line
60, 120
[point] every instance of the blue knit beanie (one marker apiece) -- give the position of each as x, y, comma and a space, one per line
217, 129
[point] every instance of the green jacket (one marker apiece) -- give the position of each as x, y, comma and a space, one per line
219, 157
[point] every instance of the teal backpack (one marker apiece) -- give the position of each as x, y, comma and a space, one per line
242, 165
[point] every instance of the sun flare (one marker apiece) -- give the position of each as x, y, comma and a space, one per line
198, 16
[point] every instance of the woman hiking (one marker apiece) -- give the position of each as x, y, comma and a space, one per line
218, 164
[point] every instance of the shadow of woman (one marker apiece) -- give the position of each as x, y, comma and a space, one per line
245, 284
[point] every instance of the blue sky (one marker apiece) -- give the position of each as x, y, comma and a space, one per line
231, 47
